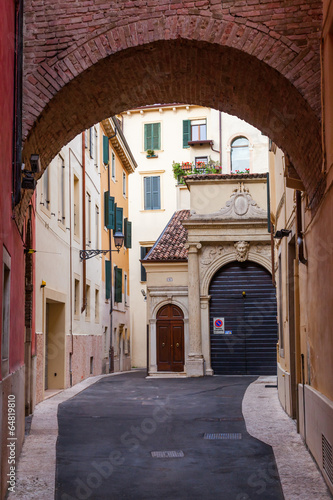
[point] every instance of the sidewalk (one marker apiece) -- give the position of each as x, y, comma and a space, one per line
264, 420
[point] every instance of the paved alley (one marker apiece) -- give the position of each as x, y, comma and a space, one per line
115, 436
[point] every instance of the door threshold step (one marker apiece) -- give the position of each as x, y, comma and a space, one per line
167, 375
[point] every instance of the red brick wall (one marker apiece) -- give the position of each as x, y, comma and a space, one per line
258, 59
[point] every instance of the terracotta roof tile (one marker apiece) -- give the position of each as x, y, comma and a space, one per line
170, 246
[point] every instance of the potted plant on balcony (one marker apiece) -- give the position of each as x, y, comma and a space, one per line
151, 153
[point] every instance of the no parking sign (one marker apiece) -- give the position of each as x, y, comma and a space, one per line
218, 324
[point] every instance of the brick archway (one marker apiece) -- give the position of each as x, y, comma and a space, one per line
256, 61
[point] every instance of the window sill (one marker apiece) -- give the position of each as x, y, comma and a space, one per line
154, 210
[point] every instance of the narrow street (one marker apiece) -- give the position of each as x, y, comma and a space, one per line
108, 433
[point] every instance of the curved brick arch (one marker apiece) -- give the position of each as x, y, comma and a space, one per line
258, 62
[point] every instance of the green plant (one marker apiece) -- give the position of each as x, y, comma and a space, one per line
150, 152
180, 170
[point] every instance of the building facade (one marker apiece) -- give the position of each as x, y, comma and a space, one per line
73, 314
160, 137
14, 337
211, 301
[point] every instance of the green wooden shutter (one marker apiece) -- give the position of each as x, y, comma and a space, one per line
148, 136
119, 219
128, 233
186, 133
107, 279
143, 253
156, 133
156, 197
105, 150
118, 294
109, 212
147, 193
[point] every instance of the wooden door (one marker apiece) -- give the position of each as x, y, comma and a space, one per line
170, 339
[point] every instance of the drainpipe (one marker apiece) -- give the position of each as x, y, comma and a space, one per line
111, 349
220, 137
71, 266
300, 242
17, 105
84, 264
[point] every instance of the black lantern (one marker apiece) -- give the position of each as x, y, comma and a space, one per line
118, 239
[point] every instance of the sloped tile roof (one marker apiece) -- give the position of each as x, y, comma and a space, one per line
170, 246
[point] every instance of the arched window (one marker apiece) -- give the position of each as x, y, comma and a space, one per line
240, 155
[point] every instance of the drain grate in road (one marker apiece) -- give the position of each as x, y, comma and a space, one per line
223, 435
167, 454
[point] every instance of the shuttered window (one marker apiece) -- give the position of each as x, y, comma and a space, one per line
152, 195
143, 253
107, 279
118, 283
128, 233
119, 219
105, 150
186, 133
109, 211
152, 138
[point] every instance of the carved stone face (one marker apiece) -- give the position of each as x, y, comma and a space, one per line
242, 249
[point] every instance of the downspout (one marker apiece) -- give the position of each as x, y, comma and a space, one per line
270, 228
300, 242
84, 264
111, 348
220, 136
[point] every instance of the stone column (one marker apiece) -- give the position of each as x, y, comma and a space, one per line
194, 361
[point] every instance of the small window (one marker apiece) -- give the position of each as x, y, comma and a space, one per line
201, 162
118, 284
76, 207
143, 253
76, 297
96, 305
124, 184
91, 142
113, 166
97, 226
91, 365
62, 194
152, 195
46, 189
240, 155
95, 147
88, 220
194, 130
152, 136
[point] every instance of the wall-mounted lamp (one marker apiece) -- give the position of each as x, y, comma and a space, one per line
43, 284
35, 164
118, 243
144, 294
280, 234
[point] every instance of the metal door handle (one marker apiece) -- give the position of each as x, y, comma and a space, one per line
177, 345
163, 344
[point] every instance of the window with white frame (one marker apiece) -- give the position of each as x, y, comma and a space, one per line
95, 147
96, 226
46, 188
113, 166
62, 187
240, 155
152, 192
88, 219
124, 184
76, 206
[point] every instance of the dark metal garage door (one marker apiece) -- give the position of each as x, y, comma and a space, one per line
248, 344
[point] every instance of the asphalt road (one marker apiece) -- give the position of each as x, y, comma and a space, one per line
108, 432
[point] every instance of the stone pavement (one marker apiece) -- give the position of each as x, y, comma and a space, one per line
264, 417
